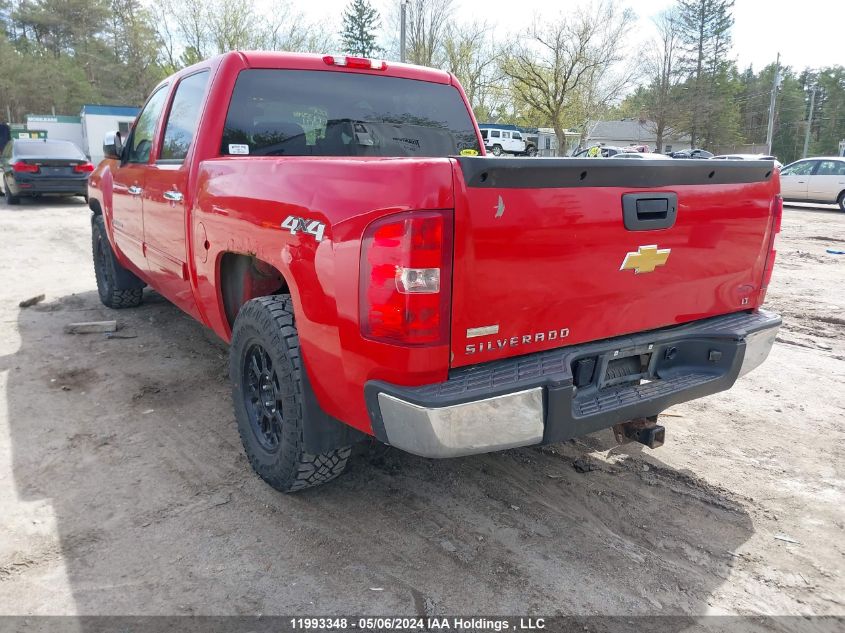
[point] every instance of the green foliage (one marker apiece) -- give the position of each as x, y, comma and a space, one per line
705, 33
360, 23
829, 119
59, 54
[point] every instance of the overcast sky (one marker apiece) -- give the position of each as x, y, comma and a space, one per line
809, 33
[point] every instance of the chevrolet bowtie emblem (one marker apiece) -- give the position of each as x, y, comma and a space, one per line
646, 259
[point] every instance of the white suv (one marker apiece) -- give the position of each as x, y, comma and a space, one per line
499, 141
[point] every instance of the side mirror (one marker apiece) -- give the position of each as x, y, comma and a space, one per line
112, 145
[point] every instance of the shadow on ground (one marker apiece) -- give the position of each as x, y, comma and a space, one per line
133, 443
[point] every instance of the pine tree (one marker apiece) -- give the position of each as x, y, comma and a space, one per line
360, 21
705, 27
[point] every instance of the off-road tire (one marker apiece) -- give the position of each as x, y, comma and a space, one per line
497, 150
10, 199
267, 324
109, 272
841, 201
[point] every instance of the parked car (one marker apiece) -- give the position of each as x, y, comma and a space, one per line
446, 304
820, 180
691, 153
642, 156
778, 164
33, 167
500, 141
634, 147
597, 151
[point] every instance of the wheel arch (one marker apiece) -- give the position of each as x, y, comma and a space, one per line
244, 276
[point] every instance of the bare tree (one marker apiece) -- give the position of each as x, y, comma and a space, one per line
427, 23
193, 30
571, 63
664, 69
472, 57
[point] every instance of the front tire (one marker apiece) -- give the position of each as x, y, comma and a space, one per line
265, 368
841, 201
117, 287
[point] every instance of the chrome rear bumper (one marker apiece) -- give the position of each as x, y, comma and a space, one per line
533, 399
481, 426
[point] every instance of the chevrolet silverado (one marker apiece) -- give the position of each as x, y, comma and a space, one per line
336, 220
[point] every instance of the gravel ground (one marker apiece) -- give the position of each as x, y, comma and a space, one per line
124, 489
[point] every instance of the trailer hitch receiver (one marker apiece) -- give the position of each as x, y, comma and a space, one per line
643, 430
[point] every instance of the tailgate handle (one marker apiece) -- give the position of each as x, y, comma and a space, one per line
649, 211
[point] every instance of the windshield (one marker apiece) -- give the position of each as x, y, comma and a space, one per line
325, 113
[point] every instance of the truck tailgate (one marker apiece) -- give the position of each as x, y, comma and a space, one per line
547, 255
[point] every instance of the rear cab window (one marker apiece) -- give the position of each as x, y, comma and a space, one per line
324, 113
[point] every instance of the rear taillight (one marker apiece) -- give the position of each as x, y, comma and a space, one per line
777, 218
25, 168
405, 282
83, 167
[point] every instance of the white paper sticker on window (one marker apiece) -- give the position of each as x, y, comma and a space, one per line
235, 148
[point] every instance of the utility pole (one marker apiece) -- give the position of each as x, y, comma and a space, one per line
770, 132
809, 123
404, 5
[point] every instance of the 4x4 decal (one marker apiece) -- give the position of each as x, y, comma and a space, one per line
304, 225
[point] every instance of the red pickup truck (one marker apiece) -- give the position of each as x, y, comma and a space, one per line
336, 220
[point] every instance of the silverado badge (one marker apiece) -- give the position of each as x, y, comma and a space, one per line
646, 259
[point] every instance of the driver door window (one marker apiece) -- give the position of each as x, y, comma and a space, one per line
141, 142
793, 179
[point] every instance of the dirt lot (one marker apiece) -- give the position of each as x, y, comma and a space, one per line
124, 490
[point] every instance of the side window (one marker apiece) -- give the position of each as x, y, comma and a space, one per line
517, 136
182, 119
484, 134
831, 168
804, 168
142, 135
506, 134
495, 133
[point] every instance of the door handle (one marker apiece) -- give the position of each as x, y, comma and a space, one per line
649, 211
134, 191
173, 196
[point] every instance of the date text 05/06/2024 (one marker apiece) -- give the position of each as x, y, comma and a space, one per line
419, 624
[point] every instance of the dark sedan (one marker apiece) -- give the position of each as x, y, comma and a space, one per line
33, 167
691, 153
